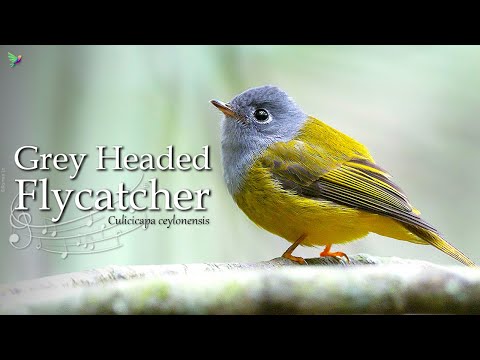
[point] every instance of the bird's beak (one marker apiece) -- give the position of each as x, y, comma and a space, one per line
224, 108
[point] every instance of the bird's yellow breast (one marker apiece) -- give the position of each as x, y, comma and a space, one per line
289, 215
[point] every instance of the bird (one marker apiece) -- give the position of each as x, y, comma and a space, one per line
299, 178
14, 60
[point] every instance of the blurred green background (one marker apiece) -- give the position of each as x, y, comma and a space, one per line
416, 107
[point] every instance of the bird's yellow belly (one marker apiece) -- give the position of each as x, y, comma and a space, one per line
290, 216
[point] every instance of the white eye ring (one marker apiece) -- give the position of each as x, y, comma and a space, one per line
258, 114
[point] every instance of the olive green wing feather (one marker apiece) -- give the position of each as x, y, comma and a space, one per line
355, 182
324, 164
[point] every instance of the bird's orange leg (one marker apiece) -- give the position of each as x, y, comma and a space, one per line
288, 254
327, 252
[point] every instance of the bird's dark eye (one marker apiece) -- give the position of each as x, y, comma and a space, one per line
261, 115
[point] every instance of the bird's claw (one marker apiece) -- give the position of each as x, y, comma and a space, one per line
297, 259
335, 254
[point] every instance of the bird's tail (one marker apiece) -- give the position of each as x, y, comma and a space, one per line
436, 240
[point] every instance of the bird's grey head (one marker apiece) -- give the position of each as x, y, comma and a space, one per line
254, 120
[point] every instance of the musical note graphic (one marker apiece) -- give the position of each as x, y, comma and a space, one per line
54, 232
14, 238
89, 241
18, 223
71, 237
64, 253
90, 221
44, 230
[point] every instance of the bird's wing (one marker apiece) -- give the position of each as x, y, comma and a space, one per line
12, 57
311, 170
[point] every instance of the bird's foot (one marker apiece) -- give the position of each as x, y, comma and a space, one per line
297, 259
327, 252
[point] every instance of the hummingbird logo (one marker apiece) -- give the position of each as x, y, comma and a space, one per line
14, 60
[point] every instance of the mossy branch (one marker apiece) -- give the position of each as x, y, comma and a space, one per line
278, 286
